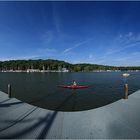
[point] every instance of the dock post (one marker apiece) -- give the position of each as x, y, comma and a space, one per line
9, 90
126, 91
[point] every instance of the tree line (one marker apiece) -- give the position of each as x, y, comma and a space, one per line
55, 65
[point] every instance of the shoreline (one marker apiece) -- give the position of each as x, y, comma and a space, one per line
55, 71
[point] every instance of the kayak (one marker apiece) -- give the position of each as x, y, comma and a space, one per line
74, 87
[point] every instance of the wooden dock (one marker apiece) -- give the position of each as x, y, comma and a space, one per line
120, 119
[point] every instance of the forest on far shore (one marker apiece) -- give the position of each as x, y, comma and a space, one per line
50, 64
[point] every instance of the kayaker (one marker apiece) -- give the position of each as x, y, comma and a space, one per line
74, 83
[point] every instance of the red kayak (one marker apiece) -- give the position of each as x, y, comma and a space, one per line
74, 87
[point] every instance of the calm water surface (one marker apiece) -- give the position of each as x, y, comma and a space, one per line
41, 89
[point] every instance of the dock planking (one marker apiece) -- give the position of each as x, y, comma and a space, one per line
117, 120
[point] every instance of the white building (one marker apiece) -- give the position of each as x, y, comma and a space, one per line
65, 70
33, 70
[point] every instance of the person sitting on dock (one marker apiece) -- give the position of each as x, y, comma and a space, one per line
74, 83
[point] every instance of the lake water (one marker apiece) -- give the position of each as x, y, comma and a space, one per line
41, 89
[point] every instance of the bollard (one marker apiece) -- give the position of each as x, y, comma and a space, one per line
9, 90
126, 91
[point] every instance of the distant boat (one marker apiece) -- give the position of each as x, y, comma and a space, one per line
126, 74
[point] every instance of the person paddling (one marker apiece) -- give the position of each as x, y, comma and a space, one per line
74, 83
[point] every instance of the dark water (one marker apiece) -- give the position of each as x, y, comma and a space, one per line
41, 89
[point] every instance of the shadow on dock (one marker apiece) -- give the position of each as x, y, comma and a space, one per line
4, 101
45, 121
10, 104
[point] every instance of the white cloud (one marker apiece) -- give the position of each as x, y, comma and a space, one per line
48, 37
120, 35
123, 43
56, 18
38, 53
116, 52
136, 53
90, 56
129, 34
75, 46
81, 43
122, 48
19, 58
67, 50
46, 50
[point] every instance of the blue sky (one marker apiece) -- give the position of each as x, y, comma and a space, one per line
76, 32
